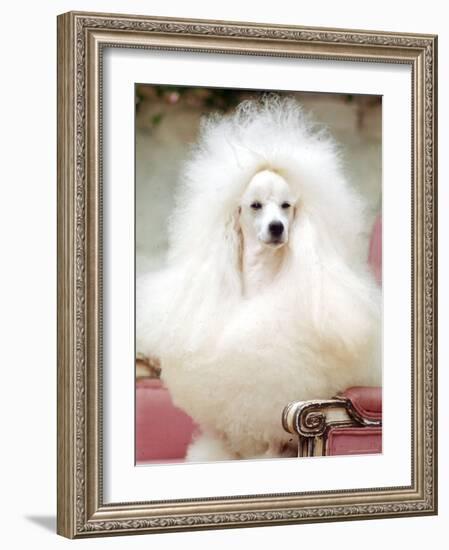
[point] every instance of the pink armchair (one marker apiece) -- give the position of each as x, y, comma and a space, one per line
351, 423
163, 432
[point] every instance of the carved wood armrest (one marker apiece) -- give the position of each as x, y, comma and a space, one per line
312, 420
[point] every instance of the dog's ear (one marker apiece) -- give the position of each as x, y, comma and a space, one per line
238, 237
295, 215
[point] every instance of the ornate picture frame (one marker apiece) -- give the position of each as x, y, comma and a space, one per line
82, 40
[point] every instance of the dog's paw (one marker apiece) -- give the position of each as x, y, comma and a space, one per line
206, 448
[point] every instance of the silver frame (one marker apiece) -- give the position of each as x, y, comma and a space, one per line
82, 38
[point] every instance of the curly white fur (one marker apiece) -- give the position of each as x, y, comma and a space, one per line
231, 361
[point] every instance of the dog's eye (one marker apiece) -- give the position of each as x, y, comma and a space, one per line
256, 205
285, 205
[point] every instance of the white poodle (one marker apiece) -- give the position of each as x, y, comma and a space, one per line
265, 297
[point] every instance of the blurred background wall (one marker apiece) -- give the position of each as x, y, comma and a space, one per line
167, 122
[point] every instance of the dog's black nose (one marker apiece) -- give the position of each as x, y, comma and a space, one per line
276, 229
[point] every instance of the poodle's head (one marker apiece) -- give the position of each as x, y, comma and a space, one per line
269, 173
267, 209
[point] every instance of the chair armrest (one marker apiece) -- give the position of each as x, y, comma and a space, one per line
312, 420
